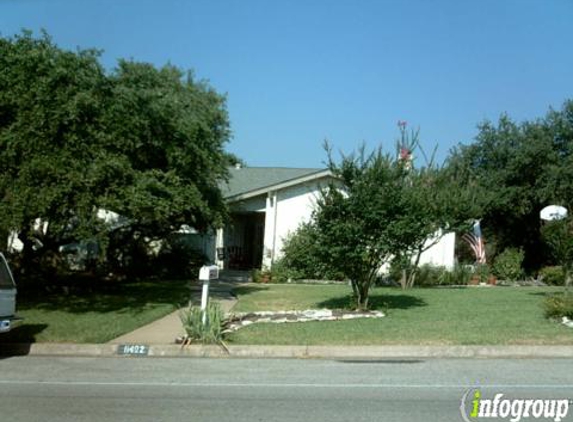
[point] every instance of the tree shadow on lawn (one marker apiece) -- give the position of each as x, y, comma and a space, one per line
376, 302
130, 297
248, 289
546, 294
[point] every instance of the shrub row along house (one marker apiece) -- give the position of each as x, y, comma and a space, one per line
268, 203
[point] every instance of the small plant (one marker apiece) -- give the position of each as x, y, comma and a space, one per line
553, 275
430, 275
507, 265
460, 275
482, 271
261, 276
256, 276
558, 306
282, 273
211, 332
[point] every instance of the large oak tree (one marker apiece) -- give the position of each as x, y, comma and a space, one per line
146, 143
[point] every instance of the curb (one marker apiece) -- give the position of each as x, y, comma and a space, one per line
298, 352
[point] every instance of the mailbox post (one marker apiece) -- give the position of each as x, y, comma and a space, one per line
206, 274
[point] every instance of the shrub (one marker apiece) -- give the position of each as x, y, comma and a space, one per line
507, 265
282, 273
178, 259
482, 271
262, 276
553, 275
558, 306
430, 275
301, 257
460, 275
212, 332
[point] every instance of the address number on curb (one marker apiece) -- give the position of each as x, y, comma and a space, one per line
133, 349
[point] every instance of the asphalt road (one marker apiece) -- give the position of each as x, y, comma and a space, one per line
240, 390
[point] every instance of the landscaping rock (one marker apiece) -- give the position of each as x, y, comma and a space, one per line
240, 320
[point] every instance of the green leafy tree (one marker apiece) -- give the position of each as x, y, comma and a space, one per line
558, 235
385, 210
165, 156
523, 167
51, 105
145, 143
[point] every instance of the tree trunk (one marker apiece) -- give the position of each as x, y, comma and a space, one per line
361, 291
362, 299
404, 279
27, 250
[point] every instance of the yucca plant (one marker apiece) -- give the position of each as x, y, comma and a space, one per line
210, 332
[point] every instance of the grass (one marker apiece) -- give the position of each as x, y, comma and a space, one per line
466, 316
96, 314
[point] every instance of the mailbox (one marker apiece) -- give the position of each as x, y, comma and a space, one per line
208, 272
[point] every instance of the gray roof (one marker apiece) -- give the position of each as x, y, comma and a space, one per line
247, 179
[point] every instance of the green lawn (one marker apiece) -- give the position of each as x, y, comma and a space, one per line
95, 315
500, 315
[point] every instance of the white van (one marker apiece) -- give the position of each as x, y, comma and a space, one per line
7, 296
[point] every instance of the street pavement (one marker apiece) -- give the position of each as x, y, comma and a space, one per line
241, 390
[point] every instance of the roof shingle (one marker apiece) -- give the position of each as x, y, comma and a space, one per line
247, 179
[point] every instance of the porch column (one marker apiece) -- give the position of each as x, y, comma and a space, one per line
270, 230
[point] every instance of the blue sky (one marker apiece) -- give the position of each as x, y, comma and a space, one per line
300, 71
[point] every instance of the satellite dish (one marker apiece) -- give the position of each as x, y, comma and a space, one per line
553, 212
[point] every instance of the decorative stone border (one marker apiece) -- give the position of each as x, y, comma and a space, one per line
240, 320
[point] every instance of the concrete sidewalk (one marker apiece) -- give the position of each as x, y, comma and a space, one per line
167, 329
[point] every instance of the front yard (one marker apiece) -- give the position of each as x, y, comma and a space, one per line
430, 316
94, 314
466, 316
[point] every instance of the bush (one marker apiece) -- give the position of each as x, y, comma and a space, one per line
558, 306
507, 265
262, 276
301, 258
431, 275
178, 259
553, 275
212, 332
460, 275
282, 273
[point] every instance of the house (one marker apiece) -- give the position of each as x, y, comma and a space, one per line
268, 203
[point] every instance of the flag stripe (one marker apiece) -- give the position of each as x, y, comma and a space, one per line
477, 245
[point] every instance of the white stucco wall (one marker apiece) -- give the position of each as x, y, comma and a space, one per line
442, 253
286, 210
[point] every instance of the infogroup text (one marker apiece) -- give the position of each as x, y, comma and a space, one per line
475, 407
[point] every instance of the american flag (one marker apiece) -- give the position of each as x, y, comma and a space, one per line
475, 240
